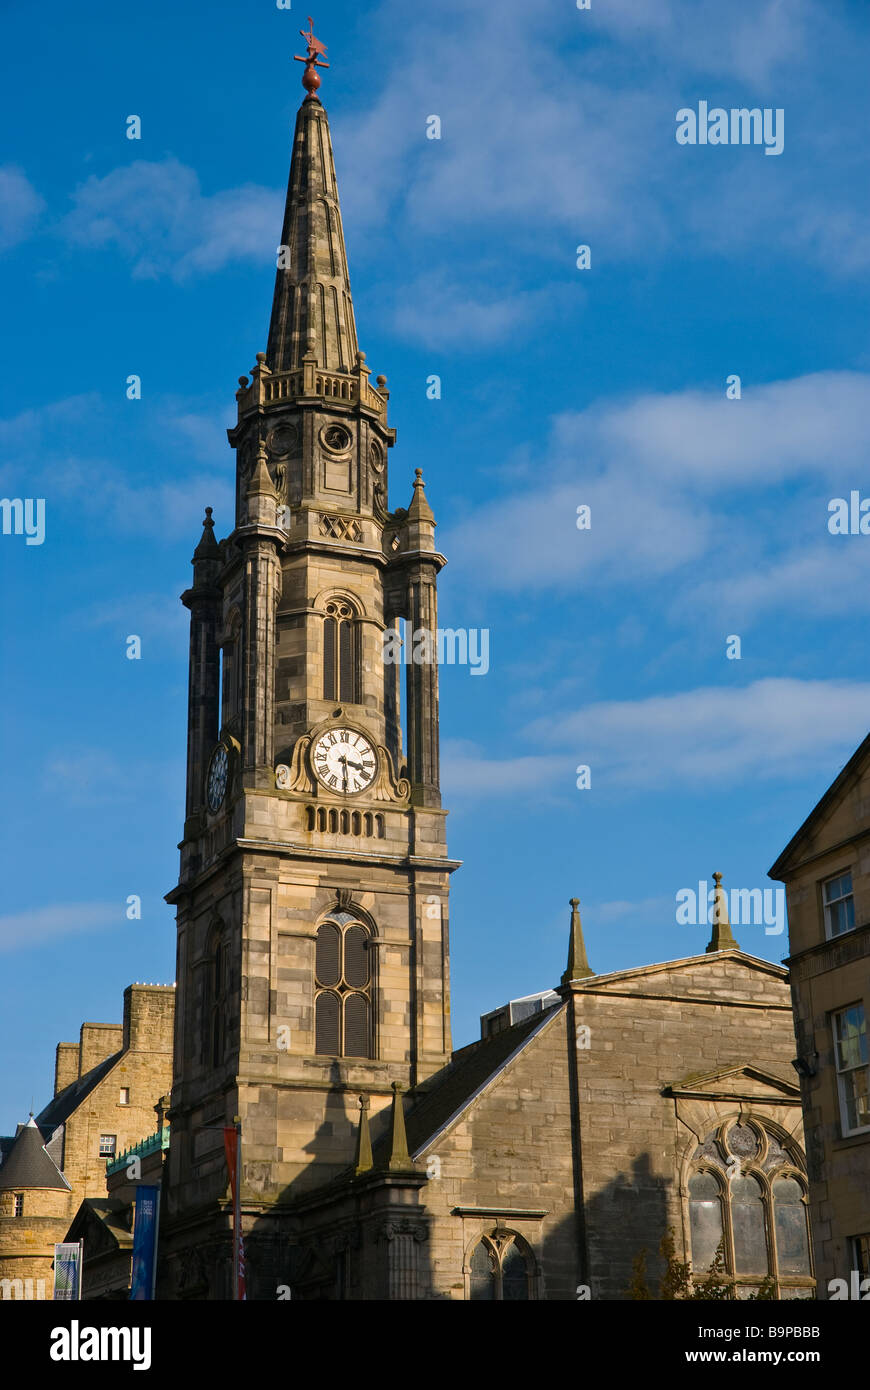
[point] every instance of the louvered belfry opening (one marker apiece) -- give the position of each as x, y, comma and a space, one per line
340, 677
342, 1004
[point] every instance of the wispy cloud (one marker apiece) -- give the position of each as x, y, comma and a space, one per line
696, 485
157, 216
20, 206
44, 444
24, 930
707, 738
441, 315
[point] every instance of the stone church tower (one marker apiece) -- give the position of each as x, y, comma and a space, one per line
312, 956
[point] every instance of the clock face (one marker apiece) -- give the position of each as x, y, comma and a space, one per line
344, 760
218, 770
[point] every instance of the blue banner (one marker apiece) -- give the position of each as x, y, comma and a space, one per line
145, 1243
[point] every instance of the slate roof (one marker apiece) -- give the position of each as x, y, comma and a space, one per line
112, 1213
70, 1098
451, 1090
28, 1165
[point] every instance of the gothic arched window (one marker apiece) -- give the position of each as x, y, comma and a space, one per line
343, 978
340, 653
501, 1269
747, 1196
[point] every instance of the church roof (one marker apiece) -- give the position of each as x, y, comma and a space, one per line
312, 301
637, 972
28, 1165
470, 1071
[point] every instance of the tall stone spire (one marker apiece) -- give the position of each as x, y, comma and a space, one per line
312, 309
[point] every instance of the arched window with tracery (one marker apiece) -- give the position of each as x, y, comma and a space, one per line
341, 678
747, 1195
343, 988
501, 1269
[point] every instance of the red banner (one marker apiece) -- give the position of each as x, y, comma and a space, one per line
233, 1150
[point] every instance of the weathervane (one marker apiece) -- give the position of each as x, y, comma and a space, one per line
310, 79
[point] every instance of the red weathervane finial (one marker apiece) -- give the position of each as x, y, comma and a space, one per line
310, 79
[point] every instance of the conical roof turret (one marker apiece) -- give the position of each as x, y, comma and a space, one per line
28, 1164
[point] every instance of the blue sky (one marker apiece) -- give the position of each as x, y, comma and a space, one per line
561, 387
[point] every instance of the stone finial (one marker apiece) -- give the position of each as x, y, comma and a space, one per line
261, 479
364, 1139
419, 509
208, 547
578, 965
722, 938
400, 1159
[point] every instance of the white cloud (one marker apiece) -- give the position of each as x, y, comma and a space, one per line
41, 442
20, 206
559, 127
648, 910
23, 930
714, 736
690, 483
705, 739
441, 315
157, 215
157, 618
751, 45
466, 772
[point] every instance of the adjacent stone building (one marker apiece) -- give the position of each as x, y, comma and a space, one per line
105, 1225
106, 1087
546, 1156
826, 870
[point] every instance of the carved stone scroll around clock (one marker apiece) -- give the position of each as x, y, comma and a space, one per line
389, 787
296, 778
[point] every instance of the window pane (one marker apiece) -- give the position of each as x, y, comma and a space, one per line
326, 1009
839, 904
514, 1275
851, 1033
356, 957
482, 1273
747, 1219
841, 916
790, 1219
856, 1098
706, 1220
356, 1026
328, 960
838, 887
